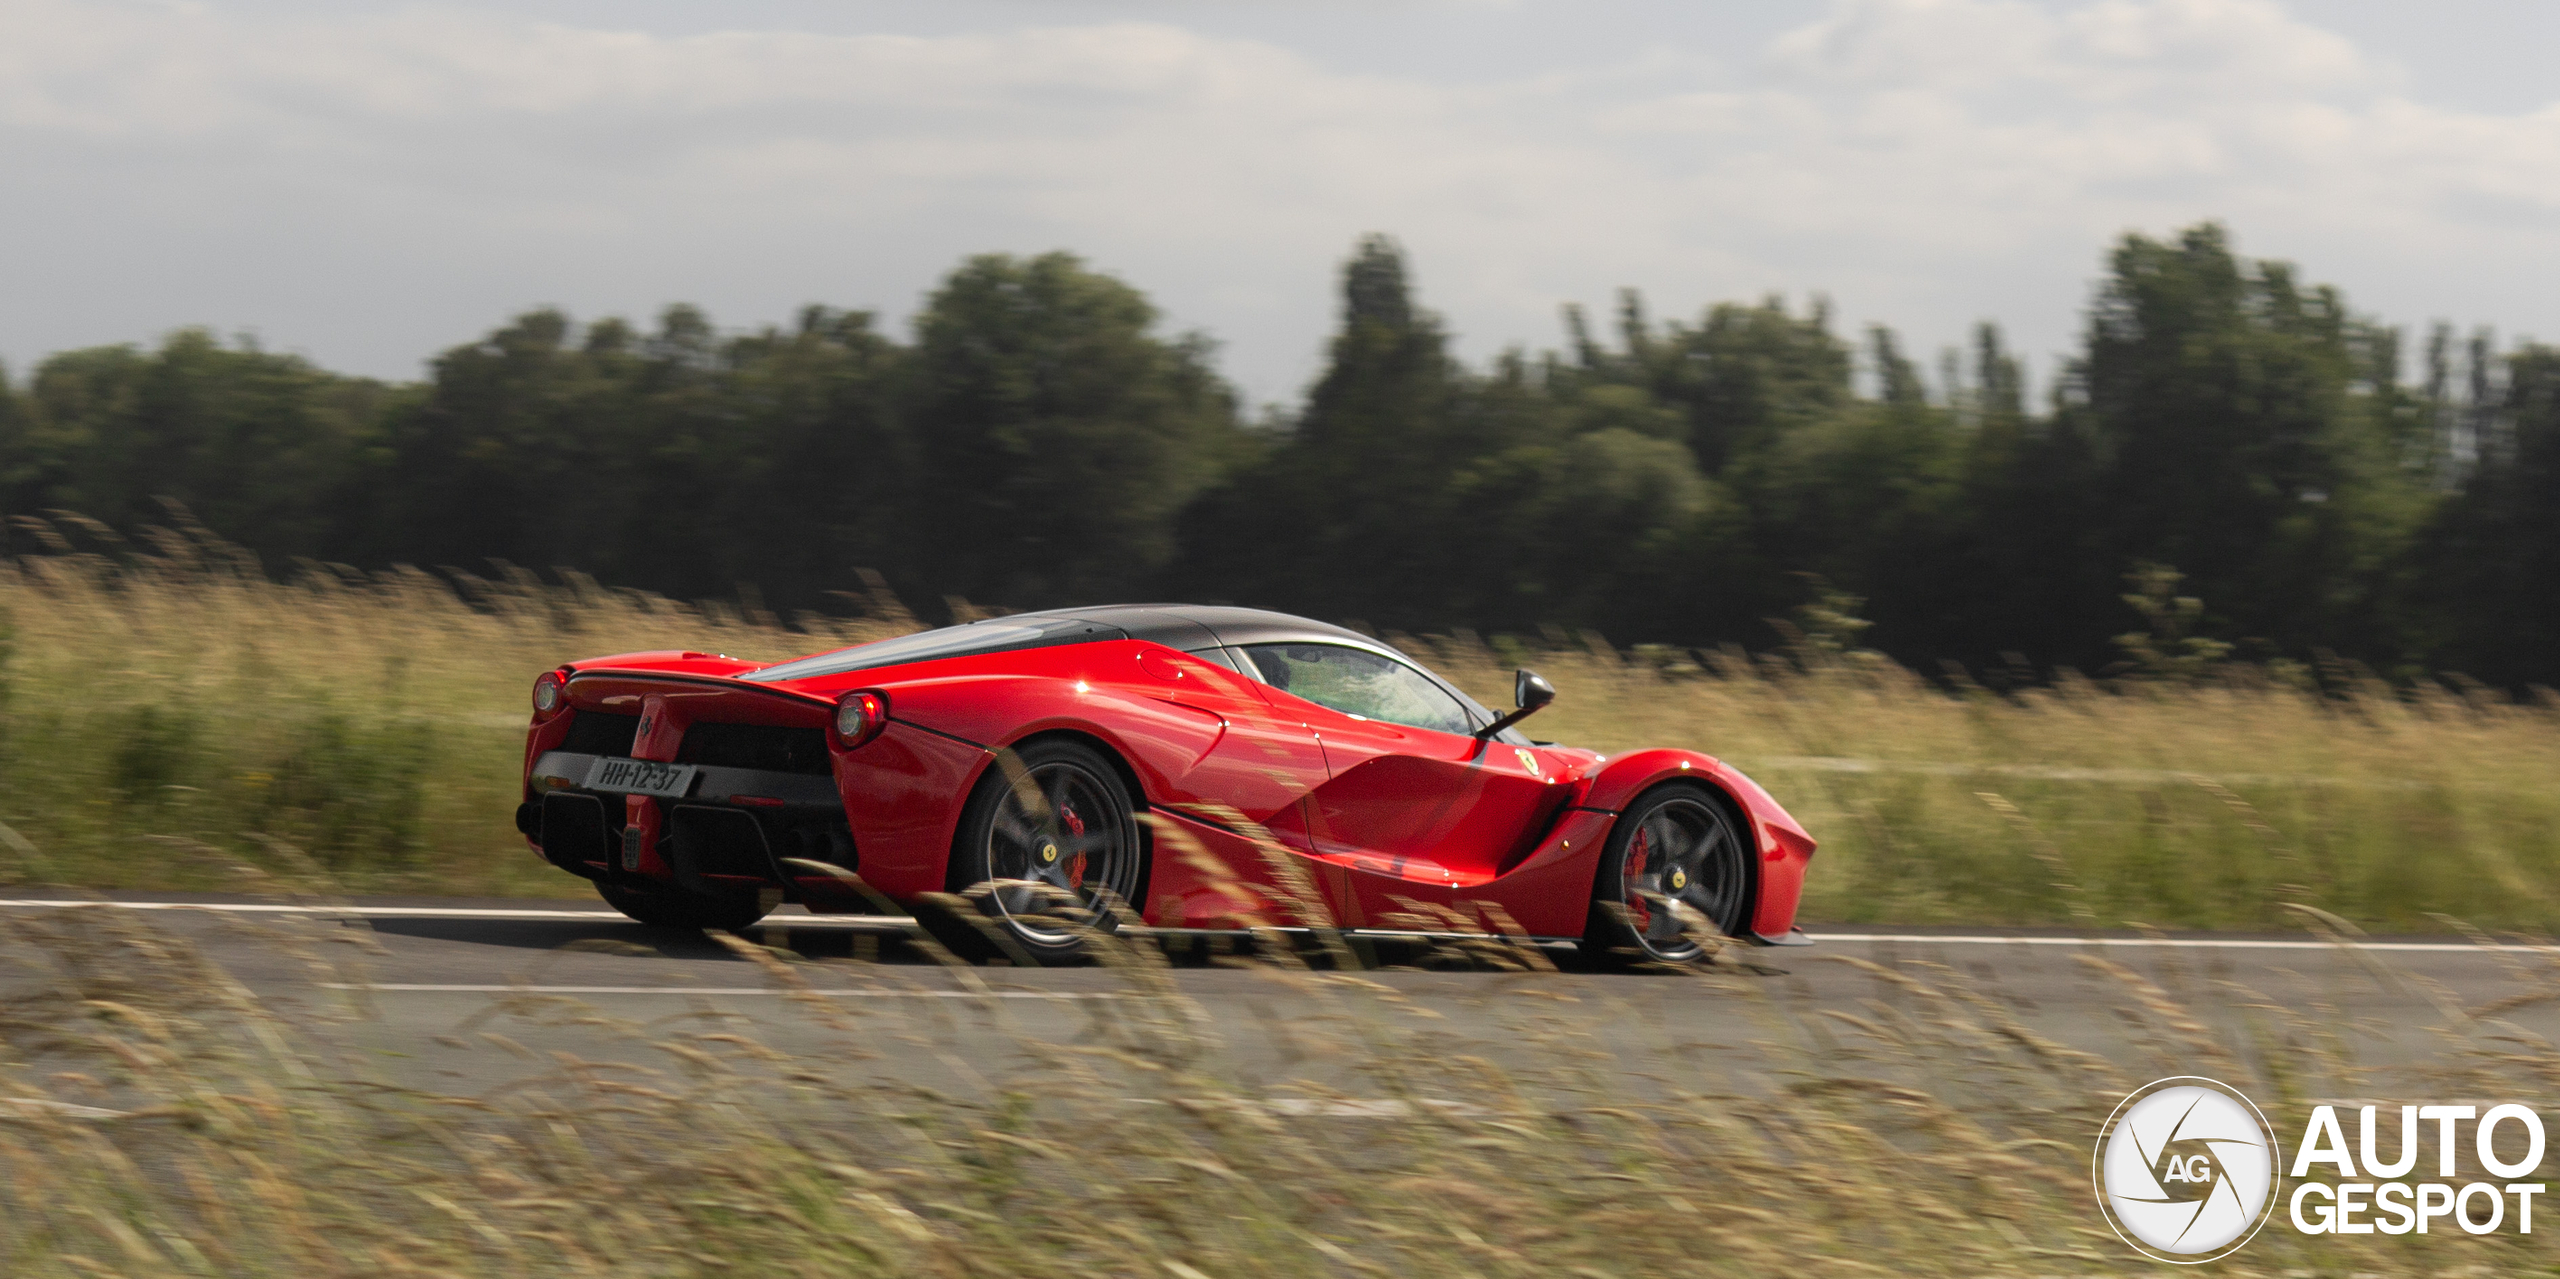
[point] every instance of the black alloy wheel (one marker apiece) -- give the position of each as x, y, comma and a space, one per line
673, 907
1677, 843
1048, 848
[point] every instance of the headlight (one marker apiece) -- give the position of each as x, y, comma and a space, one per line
859, 717
546, 693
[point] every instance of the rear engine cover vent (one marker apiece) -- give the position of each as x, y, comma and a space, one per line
758, 746
597, 733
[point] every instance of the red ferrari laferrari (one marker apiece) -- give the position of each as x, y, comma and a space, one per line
1049, 766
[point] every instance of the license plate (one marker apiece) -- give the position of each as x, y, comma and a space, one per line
640, 777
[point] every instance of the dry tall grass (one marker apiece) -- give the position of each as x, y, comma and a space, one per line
170, 717
157, 1119
2195, 803
171, 720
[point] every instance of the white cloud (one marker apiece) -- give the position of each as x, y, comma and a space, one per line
2110, 51
371, 188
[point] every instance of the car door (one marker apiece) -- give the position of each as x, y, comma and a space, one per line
1254, 778
1411, 794
1263, 764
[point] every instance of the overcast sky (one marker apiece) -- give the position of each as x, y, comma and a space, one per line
370, 184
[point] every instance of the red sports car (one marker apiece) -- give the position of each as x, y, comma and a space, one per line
1015, 756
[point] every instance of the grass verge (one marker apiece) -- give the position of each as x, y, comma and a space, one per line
176, 720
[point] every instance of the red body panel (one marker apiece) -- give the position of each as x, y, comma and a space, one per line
1395, 827
903, 793
1202, 738
1421, 804
1206, 876
1548, 894
1783, 846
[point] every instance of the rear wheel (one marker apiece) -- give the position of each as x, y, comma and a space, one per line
1677, 846
672, 907
1048, 848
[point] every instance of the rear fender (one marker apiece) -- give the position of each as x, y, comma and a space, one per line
962, 724
1781, 844
1159, 740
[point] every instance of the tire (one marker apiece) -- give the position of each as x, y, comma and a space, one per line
672, 907
1049, 849
1679, 840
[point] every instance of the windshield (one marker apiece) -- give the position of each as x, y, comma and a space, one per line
995, 635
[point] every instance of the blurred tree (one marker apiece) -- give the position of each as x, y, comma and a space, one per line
256, 444
1343, 517
1060, 440
673, 460
1863, 496
2484, 588
2018, 565
2251, 432
1749, 375
824, 469
17, 457
1897, 379
2164, 648
523, 447
1038, 442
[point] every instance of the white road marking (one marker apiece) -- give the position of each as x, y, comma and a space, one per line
48, 1106
2184, 943
1311, 1107
2050, 773
1280, 1107
891, 923
448, 912
830, 992
276, 908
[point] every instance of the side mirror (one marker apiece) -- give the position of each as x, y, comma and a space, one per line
1532, 691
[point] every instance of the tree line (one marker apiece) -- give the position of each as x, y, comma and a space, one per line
1037, 440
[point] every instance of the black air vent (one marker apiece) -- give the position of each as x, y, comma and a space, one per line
597, 733
574, 832
716, 841
757, 746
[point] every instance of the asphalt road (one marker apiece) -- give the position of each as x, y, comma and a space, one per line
465, 996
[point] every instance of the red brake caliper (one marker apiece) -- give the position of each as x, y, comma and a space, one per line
1075, 830
1639, 852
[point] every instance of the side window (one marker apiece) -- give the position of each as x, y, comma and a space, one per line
1222, 658
1359, 683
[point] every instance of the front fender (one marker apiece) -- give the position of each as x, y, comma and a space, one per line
1782, 846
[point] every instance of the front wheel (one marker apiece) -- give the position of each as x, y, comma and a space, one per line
1677, 846
672, 907
1048, 849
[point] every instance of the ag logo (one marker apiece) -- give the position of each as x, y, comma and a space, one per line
2186, 1170
1530, 762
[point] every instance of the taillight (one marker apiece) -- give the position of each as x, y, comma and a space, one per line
546, 693
860, 717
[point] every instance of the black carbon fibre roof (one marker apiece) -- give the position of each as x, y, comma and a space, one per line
1192, 627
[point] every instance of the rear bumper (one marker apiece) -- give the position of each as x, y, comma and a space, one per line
712, 783
734, 829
